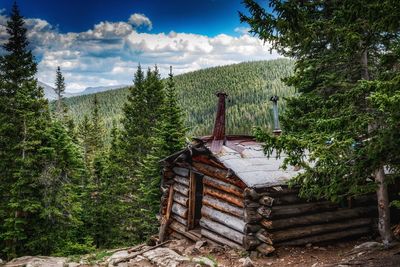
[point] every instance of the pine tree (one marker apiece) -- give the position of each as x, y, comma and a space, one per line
24, 118
168, 138
343, 74
59, 90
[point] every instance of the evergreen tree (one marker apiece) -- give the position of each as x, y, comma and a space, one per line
168, 138
346, 55
59, 90
24, 118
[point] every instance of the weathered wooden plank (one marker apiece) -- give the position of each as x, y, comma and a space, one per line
181, 199
192, 200
264, 237
181, 189
181, 171
223, 218
301, 232
208, 161
251, 216
265, 211
265, 249
219, 239
266, 201
323, 217
296, 209
179, 219
166, 218
222, 206
328, 237
250, 242
223, 196
224, 175
179, 210
180, 228
220, 185
251, 228
222, 230
182, 180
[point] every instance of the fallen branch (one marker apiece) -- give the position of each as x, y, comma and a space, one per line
139, 253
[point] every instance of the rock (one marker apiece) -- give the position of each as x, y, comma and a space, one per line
203, 261
246, 262
165, 257
38, 261
191, 250
309, 245
117, 256
200, 243
1, 262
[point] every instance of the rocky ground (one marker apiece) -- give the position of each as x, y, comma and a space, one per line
183, 253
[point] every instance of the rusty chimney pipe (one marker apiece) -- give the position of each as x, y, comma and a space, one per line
218, 136
277, 131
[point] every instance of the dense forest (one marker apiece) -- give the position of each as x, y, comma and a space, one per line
249, 86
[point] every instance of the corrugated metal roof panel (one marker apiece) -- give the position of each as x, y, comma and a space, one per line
253, 167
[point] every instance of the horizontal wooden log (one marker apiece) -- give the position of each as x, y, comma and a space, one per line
223, 196
251, 216
297, 209
179, 219
222, 206
208, 161
266, 201
224, 175
264, 237
352, 232
323, 217
251, 228
265, 249
182, 180
220, 185
265, 211
223, 218
219, 239
301, 232
222, 230
179, 210
181, 171
181, 199
180, 228
249, 203
251, 193
181, 189
250, 242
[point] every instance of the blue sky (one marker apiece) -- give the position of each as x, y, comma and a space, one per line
100, 42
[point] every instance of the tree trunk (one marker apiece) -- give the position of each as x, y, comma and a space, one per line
381, 192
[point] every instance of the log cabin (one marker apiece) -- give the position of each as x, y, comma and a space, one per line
225, 189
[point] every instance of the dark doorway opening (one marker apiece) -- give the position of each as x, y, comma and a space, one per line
198, 198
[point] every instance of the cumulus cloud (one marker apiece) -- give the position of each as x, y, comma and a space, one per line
108, 53
139, 20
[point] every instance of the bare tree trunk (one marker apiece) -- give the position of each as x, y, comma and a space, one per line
382, 191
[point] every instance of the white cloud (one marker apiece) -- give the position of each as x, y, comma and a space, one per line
109, 53
139, 20
242, 30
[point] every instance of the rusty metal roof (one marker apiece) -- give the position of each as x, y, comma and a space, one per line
246, 158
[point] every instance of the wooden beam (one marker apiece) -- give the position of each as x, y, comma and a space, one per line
264, 237
220, 185
323, 217
328, 237
222, 206
180, 228
181, 199
251, 216
223, 218
179, 210
250, 242
224, 175
223, 196
181, 171
301, 232
296, 209
266, 201
166, 218
179, 219
181, 189
182, 180
219, 239
222, 230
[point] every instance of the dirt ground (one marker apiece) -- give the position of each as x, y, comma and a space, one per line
342, 254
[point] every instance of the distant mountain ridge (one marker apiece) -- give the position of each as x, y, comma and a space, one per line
249, 86
50, 94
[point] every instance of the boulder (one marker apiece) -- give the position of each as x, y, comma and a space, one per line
37, 261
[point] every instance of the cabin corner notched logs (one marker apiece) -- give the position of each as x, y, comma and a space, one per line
252, 218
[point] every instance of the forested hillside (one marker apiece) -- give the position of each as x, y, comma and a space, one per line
249, 86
